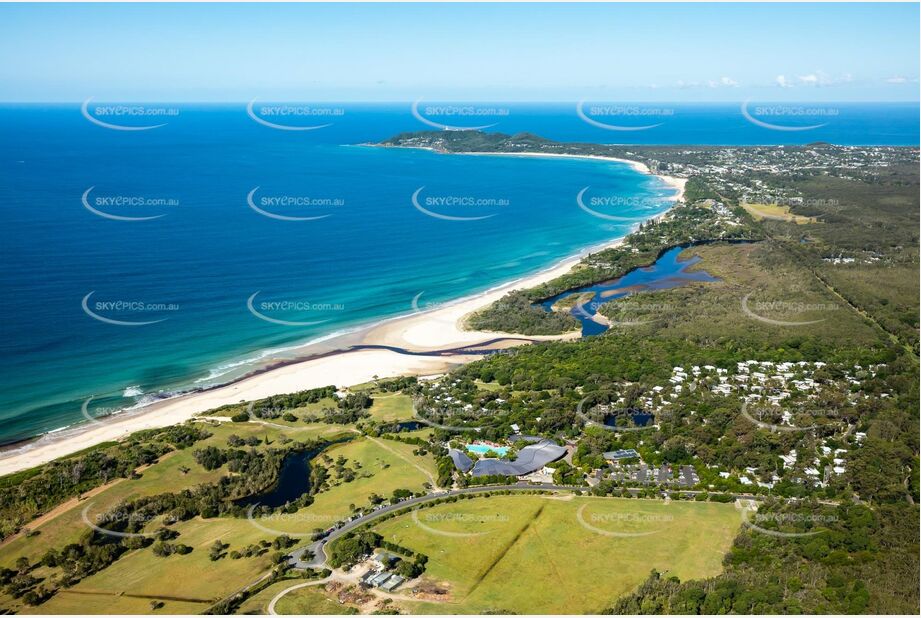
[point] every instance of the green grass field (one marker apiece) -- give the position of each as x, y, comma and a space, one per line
165, 475
390, 407
776, 212
190, 577
532, 554
303, 601
385, 465
72, 603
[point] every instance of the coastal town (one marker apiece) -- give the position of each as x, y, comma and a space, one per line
469, 308
586, 414
782, 397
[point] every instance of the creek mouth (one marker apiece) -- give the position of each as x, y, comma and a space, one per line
667, 272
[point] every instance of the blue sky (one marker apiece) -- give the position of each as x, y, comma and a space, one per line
510, 52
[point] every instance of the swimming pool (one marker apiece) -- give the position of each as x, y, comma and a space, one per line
482, 449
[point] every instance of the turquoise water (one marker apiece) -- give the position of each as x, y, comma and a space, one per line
190, 273
211, 289
482, 449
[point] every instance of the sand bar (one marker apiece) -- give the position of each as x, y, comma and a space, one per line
437, 328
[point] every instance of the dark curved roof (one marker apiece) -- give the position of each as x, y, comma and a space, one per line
530, 458
461, 461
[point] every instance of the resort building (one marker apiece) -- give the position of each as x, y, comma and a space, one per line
621, 454
461, 461
530, 458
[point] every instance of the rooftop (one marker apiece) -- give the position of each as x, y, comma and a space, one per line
460, 459
621, 454
530, 458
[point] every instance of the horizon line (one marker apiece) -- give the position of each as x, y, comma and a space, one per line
466, 101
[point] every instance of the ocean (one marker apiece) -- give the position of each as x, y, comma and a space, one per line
139, 263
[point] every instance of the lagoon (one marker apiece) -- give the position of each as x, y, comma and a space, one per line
668, 271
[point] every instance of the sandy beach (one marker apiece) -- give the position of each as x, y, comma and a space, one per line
673, 181
436, 327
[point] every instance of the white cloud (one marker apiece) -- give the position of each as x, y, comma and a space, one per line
723, 82
898, 79
820, 78
781, 81
810, 80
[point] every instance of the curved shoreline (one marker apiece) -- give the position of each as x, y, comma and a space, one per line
353, 357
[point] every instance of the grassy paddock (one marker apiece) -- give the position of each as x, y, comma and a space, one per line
175, 472
584, 552
193, 576
392, 407
775, 212
381, 471
69, 603
308, 601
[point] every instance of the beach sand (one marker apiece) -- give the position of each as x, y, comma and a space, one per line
439, 327
672, 181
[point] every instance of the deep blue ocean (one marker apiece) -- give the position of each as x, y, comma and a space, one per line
137, 263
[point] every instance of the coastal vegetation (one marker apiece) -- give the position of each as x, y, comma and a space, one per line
852, 277
27, 494
182, 503
519, 311
827, 293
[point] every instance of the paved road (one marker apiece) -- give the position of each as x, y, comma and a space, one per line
318, 548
